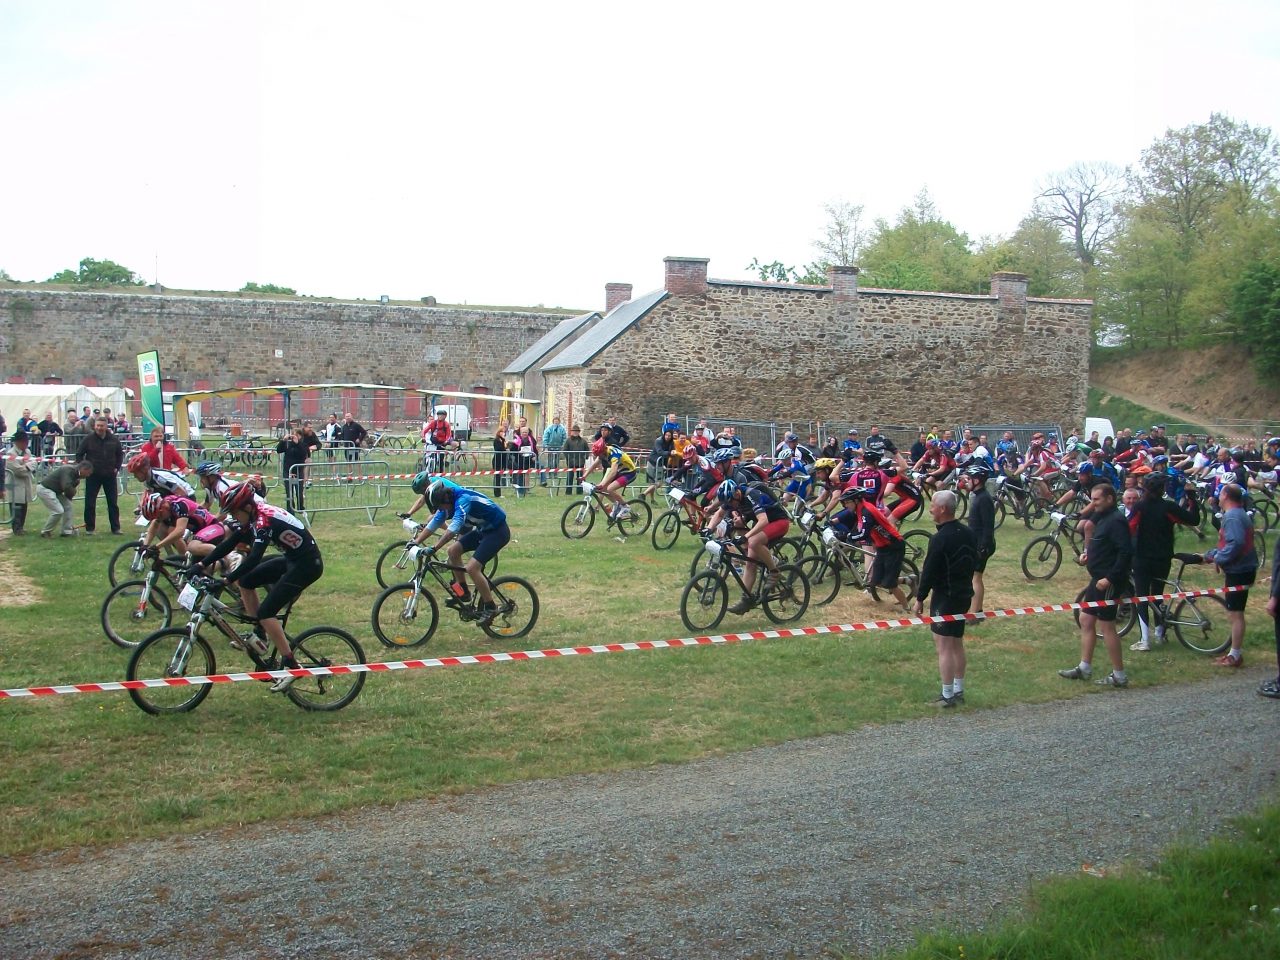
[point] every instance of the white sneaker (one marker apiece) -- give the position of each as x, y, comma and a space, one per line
283, 684
1142, 646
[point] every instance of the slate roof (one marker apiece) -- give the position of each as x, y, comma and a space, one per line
613, 325
548, 342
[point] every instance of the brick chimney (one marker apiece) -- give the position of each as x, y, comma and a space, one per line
844, 282
1011, 290
615, 294
686, 276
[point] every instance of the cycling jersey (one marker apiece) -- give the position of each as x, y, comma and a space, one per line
269, 525
868, 520
1039, 460
167, 483
1088, 475
470, 508
754, 501
904, 486
441, 433
748, 473
872, 481
183, 508
621, 458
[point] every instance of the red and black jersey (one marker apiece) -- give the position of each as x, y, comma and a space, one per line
871, 481
904, 486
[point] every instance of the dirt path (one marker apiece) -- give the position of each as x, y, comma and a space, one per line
851, 841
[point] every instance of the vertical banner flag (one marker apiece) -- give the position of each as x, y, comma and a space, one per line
152, 398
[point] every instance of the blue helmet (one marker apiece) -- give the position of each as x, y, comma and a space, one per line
726, 490
209, 468
725, 454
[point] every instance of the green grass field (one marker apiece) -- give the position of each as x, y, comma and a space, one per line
93, 769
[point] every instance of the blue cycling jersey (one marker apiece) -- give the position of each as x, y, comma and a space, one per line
470, 509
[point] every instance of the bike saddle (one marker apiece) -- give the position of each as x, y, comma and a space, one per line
1188, 558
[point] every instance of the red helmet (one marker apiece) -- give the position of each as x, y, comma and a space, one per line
237, 497
151, 505
138, 462
598, 448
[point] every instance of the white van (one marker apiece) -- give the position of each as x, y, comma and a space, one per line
459, 417
1101, 424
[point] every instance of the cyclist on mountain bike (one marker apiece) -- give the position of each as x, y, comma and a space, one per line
209, 475
908, 492
699, 476
1039, 466
860, 519
173, 519
156, 479
619, 470
458, 508
253, 522
826, 487
438, 436
935, 467
419, 485
792, 463
1095, 469
767, 523
869, 478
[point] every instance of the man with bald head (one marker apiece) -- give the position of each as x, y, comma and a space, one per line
948, 576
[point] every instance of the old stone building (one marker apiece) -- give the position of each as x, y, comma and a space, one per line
839, 354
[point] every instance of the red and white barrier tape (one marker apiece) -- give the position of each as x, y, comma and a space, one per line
382, 667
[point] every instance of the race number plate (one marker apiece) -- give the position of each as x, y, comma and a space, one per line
677, 494
187, 598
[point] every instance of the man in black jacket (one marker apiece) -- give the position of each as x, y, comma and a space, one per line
1154, 525
948, 575
1109, 557
982, 521
103, 452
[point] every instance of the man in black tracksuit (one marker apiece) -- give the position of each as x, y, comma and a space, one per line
1154, 526
948, 575
1109, 557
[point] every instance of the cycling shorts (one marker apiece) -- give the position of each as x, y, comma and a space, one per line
800, 486
485, 544
287, 580
887, 565
902, 506
622, 479
210, 533
775, 530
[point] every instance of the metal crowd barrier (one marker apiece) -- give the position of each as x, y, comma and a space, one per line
328, 487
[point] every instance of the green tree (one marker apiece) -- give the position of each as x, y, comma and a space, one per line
99, 273
921, 251
1256, 304
252, 287
4, 276
1038, 249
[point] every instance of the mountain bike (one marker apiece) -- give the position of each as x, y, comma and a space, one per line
135, 609
784, 595
175, 654
847, 561
406, 614
578, 518
684, 514
246, 450
1043, 555
1018, 501
397, 556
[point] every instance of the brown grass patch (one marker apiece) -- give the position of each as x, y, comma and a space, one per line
16, 589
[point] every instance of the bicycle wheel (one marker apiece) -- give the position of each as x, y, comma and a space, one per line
392, 563
1041, 558
641, 517
1126, 616
917, 545
1201, 624
121, 567
403, 617
788, 551
666, 529
326, 647
702, 559
1260, 544
704, 602
962, 503
227, 456
517, 608
1264, 514
1037, 515
577, 520
824, 579
788, 599
1000, 513
170, 655
127, 620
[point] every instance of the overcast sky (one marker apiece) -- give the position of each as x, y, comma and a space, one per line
528, 153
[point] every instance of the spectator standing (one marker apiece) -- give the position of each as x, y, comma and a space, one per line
331, 433
575, 457
56, 491
655, 469
103, 452
948, 575
554, 438
1271, 688
499, 457
50, 431
293, 452
26, 422
162, 453
73, 432
352, 435
1237, 559
524, 458
1109, 558
22, 487
672, 423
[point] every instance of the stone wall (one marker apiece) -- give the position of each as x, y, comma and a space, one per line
841, 355
95, 337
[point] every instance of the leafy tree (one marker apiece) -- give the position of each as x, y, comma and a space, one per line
1256, 305
921, 251
1038, 249
101, 273
843, 236
4, 276
252, 287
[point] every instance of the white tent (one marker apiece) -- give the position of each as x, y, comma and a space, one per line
40, 398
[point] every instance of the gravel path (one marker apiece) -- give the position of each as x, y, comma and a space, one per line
849, 841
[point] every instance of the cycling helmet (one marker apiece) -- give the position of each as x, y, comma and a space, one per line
977, 470
598, 448
1160, 461
725, 454
726, 490
789, 437
421, 482
237, 497
209, 468
824, 463
690, 453
1191, 448
851, 493
871, 456
1083, 448
1237, 453
151, 505
138, 462
932, 444
437, 494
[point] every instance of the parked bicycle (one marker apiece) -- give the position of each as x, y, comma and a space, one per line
177, 653
406, 614
246, 450
578, 518
784, 596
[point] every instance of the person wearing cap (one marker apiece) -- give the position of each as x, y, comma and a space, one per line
1237, 559
851, 441
20, 480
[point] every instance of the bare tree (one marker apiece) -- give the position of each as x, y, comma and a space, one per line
1082, 201
843, 235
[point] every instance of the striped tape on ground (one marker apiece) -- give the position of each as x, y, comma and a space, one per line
525, 655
